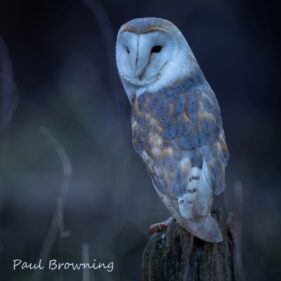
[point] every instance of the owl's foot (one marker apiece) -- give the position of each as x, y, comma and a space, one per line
160, 226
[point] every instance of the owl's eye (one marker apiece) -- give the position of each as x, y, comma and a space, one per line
156, 49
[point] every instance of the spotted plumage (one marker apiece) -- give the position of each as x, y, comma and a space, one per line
176, 125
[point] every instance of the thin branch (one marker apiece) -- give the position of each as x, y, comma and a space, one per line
107, 33
8, 89
238, 209
86, 260
105, 28
66, 163
57, 225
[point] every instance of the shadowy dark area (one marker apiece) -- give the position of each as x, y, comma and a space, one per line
57, 65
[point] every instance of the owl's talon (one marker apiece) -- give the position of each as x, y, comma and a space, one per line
157, 227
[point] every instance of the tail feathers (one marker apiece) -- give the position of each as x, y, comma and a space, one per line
206, 229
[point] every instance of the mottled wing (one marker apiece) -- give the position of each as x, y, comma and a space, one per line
179, 135
214, 148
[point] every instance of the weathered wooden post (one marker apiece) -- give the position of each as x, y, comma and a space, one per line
176, 255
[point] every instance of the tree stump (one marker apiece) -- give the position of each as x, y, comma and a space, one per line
176, 255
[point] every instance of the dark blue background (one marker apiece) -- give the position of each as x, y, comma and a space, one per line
64, 68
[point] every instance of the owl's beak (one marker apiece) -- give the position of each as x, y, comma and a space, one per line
142, 58
139, 68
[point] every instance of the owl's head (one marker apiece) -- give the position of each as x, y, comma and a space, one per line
151, 53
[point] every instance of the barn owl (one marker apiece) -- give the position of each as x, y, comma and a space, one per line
176, 122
